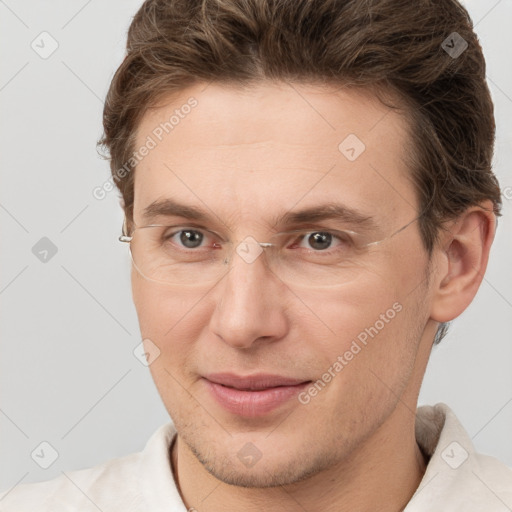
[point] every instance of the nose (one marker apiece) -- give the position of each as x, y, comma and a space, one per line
250, 301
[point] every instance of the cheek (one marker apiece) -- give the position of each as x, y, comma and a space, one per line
370, 321
349, 310
167, 317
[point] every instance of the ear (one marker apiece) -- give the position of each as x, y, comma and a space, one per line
462, 256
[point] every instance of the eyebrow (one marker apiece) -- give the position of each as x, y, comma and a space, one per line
325, 211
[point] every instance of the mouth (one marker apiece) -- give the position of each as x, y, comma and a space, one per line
253, 395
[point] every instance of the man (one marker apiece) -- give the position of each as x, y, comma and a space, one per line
309, 201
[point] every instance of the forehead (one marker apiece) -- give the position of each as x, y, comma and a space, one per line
248, 152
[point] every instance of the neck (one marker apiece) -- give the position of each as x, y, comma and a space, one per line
381, 475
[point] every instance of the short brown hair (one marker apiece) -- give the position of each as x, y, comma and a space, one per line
398, 45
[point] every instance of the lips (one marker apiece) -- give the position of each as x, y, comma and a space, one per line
252, 382
252, 395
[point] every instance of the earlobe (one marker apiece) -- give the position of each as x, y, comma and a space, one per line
464, 253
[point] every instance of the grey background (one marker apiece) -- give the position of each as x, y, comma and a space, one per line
68, 375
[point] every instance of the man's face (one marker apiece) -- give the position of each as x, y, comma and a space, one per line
248, 157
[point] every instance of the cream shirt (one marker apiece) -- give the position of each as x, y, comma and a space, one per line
456, 479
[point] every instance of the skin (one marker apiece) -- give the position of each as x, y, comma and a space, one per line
250, 155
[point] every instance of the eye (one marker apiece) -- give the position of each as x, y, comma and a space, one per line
319, 240
190, 238
186, 238
322, 240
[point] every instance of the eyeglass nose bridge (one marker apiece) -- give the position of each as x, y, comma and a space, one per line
249, 249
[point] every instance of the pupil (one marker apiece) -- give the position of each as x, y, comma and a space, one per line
191, 239
320, 240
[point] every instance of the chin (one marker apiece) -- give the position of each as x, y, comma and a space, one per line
253, 468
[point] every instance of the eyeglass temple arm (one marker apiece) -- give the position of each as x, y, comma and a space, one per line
124, 237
